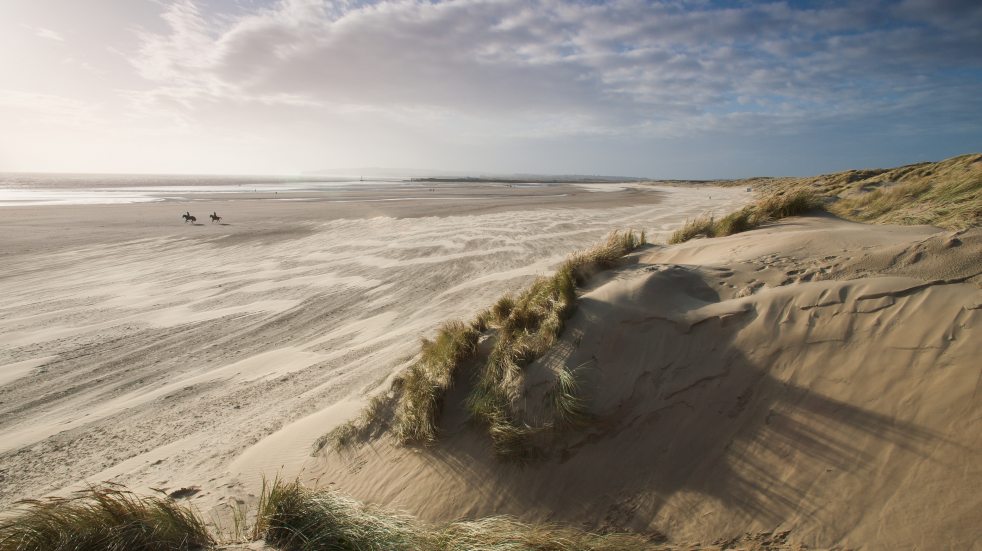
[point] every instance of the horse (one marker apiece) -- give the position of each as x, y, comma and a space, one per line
188, 218
215, 218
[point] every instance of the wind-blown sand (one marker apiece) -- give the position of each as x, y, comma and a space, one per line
137, 349
817, 376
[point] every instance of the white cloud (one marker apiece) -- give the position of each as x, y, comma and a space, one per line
44, 33
621, 66
49, 34
425, 76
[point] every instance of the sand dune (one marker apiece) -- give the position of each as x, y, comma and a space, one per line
141, 350
817, 376
814, 377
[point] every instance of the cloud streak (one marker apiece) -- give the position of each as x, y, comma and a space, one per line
532, 85
625, 66
44, 33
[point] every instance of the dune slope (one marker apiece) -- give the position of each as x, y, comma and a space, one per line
946, 193
817, 376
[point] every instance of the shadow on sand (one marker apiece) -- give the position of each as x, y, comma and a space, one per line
683, 419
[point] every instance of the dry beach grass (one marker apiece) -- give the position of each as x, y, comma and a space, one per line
103, 519
522, 328
296, 518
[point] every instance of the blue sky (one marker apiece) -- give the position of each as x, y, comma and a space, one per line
690, 89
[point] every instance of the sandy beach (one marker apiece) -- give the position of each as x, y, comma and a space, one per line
138, 349
494, 275
812, 382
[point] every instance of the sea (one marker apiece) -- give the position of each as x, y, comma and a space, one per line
27, 189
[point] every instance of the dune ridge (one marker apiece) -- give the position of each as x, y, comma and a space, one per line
889, 315
946, 194
736, 387
810, 384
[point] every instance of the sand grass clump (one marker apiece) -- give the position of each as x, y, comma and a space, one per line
947, 194
370, 423
340, 437
568, 405
771, 207
508, 534
103, 519
482, 322
523, 327
375, 418
736, 222
526, 328
702, 226
413, 405
604, 256
502, 309
425, 384
295, 518
782, 205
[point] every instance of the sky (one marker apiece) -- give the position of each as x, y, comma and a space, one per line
662, 89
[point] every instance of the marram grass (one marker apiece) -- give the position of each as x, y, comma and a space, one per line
526, 327
568, 405
523, 326
425, 384
295, 518
946, 194
104, 519
771, 207
371, 422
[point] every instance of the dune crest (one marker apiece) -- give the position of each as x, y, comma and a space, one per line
816, 375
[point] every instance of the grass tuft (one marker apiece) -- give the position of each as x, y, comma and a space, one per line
703, 226
426, 382
508, 534
372, 422
296, 518
533, 322
772, 207
782, 205
104, 519
604, 256
502, 309
293, 517
736, 222
568, 406
482, 322
524, 327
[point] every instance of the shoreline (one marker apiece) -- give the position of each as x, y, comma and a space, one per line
259, 213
